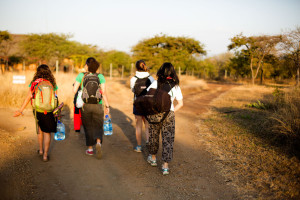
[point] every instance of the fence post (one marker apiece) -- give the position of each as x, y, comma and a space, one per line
56, 67
110, 71
179, 72
122, 70
225, 73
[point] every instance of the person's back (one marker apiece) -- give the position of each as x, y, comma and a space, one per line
42, 90
92, 113
138, 84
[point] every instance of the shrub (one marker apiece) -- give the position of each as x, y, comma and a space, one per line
285, 121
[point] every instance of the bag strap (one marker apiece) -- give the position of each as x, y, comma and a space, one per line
141, 78
162, 119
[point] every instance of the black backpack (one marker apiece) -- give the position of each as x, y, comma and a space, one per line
140, 86
155, 101
91, 91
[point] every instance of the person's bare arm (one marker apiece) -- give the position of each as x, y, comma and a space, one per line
75, 87
105, 98
179, 105
26, 101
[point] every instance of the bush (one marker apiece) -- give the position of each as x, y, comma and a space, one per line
285, 121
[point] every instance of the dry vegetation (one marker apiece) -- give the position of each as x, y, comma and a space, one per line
247, 138
13, 95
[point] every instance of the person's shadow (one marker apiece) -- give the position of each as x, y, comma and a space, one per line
125, 124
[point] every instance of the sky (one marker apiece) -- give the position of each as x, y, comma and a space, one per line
121, 24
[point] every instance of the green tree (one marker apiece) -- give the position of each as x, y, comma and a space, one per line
160, 49
45, 47
239, 65
117, 58
5, 46
291, 48
78, 53
256, 48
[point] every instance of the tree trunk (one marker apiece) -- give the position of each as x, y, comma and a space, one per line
298, 74
261, 75
252, 72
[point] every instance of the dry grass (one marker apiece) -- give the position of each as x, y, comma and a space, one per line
247, 155
14, 95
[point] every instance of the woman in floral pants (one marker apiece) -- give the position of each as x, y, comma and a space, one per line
166, 75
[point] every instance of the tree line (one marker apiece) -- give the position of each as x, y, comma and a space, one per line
256, 57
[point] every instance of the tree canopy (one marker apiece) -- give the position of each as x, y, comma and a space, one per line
256, 48
160, 49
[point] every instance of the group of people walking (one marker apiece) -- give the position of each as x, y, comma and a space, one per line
92, 111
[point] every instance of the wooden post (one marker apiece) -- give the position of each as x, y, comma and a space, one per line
110, 71
225, 74
122, 71
56, 67
179, 73
24, 65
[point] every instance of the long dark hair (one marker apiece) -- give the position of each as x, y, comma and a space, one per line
167, 73
43, 71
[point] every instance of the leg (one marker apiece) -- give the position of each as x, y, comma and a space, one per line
40, 136
138, 129
47, 140
154, 131
168, 136
87, 121
146, 129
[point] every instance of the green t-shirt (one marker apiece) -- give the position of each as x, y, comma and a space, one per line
81, 75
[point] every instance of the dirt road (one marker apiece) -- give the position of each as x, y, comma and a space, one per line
121, 173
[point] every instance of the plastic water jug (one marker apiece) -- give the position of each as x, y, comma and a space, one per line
60, 131
107, 126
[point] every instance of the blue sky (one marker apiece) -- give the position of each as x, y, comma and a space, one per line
117, 24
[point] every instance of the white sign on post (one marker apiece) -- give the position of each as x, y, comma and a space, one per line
19, 79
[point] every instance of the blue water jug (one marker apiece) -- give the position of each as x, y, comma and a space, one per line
107, 126
60, 131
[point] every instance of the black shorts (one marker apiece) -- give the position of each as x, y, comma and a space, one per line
46, 122
135, 112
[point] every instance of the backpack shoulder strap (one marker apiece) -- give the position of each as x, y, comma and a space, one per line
84, 74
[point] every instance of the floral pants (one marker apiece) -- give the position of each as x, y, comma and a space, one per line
167, 129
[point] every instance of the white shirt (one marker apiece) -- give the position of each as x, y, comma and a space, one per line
139, 75
175, 93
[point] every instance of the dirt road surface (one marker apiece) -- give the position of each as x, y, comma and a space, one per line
121, 173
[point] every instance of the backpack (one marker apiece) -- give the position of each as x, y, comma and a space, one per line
43, 97
155, 101
140, 86
91, 91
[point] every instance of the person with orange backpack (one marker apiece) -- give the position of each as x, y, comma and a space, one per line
42, 93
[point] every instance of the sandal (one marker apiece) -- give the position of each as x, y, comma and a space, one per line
38, 152
47, 159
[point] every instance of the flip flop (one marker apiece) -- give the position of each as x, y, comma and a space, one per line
47, 159
38, 152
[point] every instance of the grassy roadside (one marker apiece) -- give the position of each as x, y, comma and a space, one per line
13, 95
248, 155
